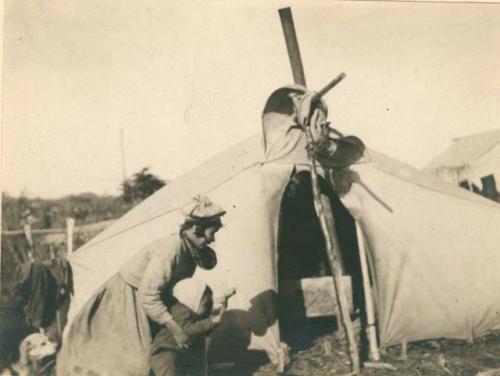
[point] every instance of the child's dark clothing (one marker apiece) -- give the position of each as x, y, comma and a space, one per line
167, 359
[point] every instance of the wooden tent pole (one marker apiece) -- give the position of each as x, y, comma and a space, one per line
324, 211
371, 331
321, 202
292, 46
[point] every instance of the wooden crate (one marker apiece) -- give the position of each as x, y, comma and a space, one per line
311, 297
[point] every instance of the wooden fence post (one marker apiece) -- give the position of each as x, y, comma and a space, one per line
29, 239
70, 226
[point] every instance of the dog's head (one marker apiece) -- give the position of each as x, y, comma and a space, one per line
36, 347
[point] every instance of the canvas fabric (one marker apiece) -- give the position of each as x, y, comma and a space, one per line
433, 248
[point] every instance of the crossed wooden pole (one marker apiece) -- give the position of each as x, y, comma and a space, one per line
321, 202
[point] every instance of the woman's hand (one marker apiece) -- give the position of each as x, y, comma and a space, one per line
216, 316
180, 336
229, 293
220, 305
221, 302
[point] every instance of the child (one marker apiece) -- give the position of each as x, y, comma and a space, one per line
194, 311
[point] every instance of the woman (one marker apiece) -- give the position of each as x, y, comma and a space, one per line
112, 333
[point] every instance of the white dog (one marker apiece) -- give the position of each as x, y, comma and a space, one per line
33, 350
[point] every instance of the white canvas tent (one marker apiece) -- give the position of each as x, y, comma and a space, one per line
433, 272
469, 158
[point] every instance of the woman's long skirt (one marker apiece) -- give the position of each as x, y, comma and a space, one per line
110, 335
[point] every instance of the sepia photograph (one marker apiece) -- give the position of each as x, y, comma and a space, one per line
250, 188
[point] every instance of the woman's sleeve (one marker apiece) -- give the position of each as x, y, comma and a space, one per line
155, 278
196, 328
192, 325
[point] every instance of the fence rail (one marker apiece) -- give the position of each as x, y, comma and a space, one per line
45, 231
67, 233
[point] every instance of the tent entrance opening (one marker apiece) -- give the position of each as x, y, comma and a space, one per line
306, 303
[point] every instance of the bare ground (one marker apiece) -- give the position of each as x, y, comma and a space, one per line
327, 356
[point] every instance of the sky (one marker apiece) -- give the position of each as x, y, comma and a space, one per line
185, 80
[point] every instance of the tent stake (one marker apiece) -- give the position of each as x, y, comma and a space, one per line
404, 350
324, 211
371, 331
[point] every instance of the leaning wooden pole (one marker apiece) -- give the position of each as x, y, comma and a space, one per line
324, 211
321, 202
292, 46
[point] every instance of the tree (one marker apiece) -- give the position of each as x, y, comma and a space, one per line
142, 185
17, 211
